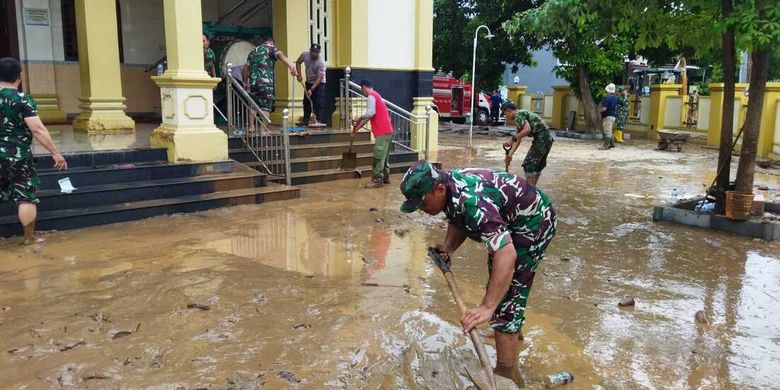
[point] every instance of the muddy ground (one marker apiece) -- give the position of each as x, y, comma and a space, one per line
324, 292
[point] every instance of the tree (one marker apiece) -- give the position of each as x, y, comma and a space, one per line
757, 24
723, 178
454, 23
589, 37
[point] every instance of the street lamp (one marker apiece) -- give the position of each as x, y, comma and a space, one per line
474, 74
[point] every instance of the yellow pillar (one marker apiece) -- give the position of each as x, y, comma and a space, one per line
186, 95
766, 135
350, 33
418, 133
292, 38
424, 35
716, 110
560, 92
102, 104
516, 94
658, 95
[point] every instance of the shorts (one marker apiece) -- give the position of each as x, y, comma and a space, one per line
18, 177
263, 95
536, 159
509, 316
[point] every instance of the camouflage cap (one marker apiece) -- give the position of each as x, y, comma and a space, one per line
417, 182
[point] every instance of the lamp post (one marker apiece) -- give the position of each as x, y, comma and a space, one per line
474, 74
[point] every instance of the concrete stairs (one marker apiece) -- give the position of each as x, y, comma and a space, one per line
124, 185
317, 157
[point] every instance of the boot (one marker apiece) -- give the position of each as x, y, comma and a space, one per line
374, 183
386, 180
619, 136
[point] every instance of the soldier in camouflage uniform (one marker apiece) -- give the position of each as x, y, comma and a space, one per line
515, 221
209, 59
259, 76
528, 123
622, 114
19, 123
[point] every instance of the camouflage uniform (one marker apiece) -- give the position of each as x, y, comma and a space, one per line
209, 60
498, 209
536, 158
261, 75
622, 112
18, 178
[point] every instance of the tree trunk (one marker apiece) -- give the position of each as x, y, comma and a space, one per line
727, 116
759, 73
592, 117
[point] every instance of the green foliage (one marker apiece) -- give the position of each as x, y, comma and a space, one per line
774, 65
589, 33
757, 24
454, 24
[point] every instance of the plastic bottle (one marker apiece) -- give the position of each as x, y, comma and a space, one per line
160, 68
708, 207
674, 195
558, 379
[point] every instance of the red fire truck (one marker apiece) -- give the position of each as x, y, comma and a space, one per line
452, 97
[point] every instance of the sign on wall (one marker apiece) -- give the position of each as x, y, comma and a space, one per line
36, 16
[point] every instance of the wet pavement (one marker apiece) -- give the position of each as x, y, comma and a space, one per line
322, 292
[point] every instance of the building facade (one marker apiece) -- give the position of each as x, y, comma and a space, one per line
92, 62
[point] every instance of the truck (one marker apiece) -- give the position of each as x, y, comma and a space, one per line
451, 98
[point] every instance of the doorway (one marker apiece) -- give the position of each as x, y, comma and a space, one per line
9, 40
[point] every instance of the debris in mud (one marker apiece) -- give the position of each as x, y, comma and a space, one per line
400, 232
6, 309
627, 301
69, 346
373, 209
565, 259
288, 376
259, 299
200, 306
379, 220
302, 326
95, 376
99, 317
121, 333
701, 317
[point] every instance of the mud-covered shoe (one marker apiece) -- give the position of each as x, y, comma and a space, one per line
386, 180
374, 184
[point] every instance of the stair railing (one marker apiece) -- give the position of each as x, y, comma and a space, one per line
245, 119
353, 103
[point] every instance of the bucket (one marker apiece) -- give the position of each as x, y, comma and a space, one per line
738, 205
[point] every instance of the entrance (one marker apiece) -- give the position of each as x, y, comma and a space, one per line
9, 41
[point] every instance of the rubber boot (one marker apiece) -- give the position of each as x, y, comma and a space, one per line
619, 136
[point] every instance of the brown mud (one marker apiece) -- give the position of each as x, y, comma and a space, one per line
323, 292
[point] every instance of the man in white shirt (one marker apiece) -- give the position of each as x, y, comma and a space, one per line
314, 98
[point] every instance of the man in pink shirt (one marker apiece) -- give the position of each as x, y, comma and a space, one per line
382, 129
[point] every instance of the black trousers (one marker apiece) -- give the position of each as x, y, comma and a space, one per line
317, 100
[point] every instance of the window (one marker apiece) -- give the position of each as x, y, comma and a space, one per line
70, 39
319, 25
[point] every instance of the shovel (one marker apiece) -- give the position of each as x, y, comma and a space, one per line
510, 151
349, 158
479, 346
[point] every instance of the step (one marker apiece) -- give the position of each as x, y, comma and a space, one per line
105, 157
334, 162
104, 194
303, 151
120, 212
85, 177
311, 138
310, 177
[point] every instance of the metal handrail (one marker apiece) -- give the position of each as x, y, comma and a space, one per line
270, 149
389, 104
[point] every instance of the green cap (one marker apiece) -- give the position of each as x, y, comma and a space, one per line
417, 182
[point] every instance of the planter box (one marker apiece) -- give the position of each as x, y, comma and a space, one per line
683, 213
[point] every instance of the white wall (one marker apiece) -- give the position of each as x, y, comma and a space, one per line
391, 34
703, 121
38, 43
776, 143
548, 106
673, 111
143, 31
